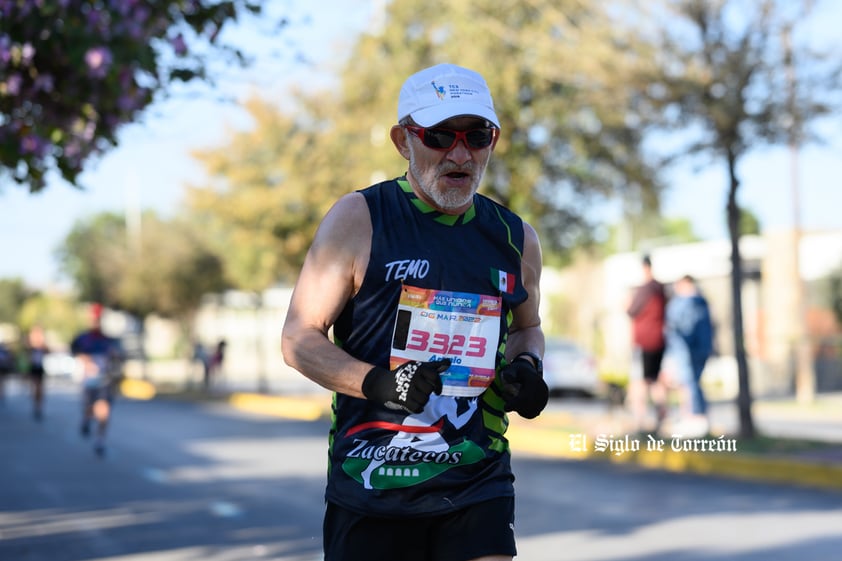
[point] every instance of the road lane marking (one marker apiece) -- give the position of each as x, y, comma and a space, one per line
155, 475
224, 509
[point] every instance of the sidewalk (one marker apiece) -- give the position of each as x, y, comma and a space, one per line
796, 444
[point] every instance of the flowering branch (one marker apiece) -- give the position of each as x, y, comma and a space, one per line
73, 71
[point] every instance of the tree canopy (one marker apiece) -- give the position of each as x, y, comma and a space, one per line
73, 71
13, 293
60, 314
567, 136
165, 268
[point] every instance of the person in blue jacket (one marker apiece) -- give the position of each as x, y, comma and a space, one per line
689, 339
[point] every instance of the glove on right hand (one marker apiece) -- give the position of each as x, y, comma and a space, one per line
407, 387
524, 390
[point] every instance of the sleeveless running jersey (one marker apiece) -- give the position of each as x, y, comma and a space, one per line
101, 354
436, 286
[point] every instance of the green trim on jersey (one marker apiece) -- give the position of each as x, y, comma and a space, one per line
493, 414
509, 232
440, 217
494, 421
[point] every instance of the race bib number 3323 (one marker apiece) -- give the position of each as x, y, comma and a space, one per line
464, 327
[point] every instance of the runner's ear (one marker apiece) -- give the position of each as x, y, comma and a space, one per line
398, 136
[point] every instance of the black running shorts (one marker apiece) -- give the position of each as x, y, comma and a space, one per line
646, 365
482, 529
652, 364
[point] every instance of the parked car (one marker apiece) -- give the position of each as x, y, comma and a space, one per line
569, 369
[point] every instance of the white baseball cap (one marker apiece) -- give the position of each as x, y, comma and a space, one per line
445, 91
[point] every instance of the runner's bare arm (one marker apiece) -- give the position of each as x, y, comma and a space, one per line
332, 273
525, 333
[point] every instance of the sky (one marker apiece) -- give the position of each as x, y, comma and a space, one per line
152, 162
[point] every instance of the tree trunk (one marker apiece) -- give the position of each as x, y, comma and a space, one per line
744, 398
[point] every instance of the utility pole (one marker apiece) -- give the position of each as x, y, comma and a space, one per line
805, 380
133, 213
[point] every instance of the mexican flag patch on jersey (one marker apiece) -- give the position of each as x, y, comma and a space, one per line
505, 282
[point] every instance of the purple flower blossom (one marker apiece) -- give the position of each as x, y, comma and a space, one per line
72, 149
33, 144
27, 53
141, 14
121, 7
134, 30
125, 103
126, 77
6, 7
44, 83
94, 18
98, 60
179, 45
12, 85
5, 49
89, 131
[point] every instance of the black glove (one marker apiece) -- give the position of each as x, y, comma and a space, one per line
524, 389
407, 387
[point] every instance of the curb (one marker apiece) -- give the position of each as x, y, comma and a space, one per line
555, 442
134, 388
297, 408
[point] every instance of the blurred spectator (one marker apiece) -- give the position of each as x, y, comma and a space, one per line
36, 351
646, 309
217, 359
7, 366
689, 334
200, 355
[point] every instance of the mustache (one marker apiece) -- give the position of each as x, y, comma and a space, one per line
449, 167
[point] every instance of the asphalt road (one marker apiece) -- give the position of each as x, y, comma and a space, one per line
202, 481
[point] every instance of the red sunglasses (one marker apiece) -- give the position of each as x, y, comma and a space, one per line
445, 139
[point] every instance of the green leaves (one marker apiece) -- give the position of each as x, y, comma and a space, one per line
566, 141
163, 267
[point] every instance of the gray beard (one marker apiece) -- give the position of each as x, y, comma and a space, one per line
448, 199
